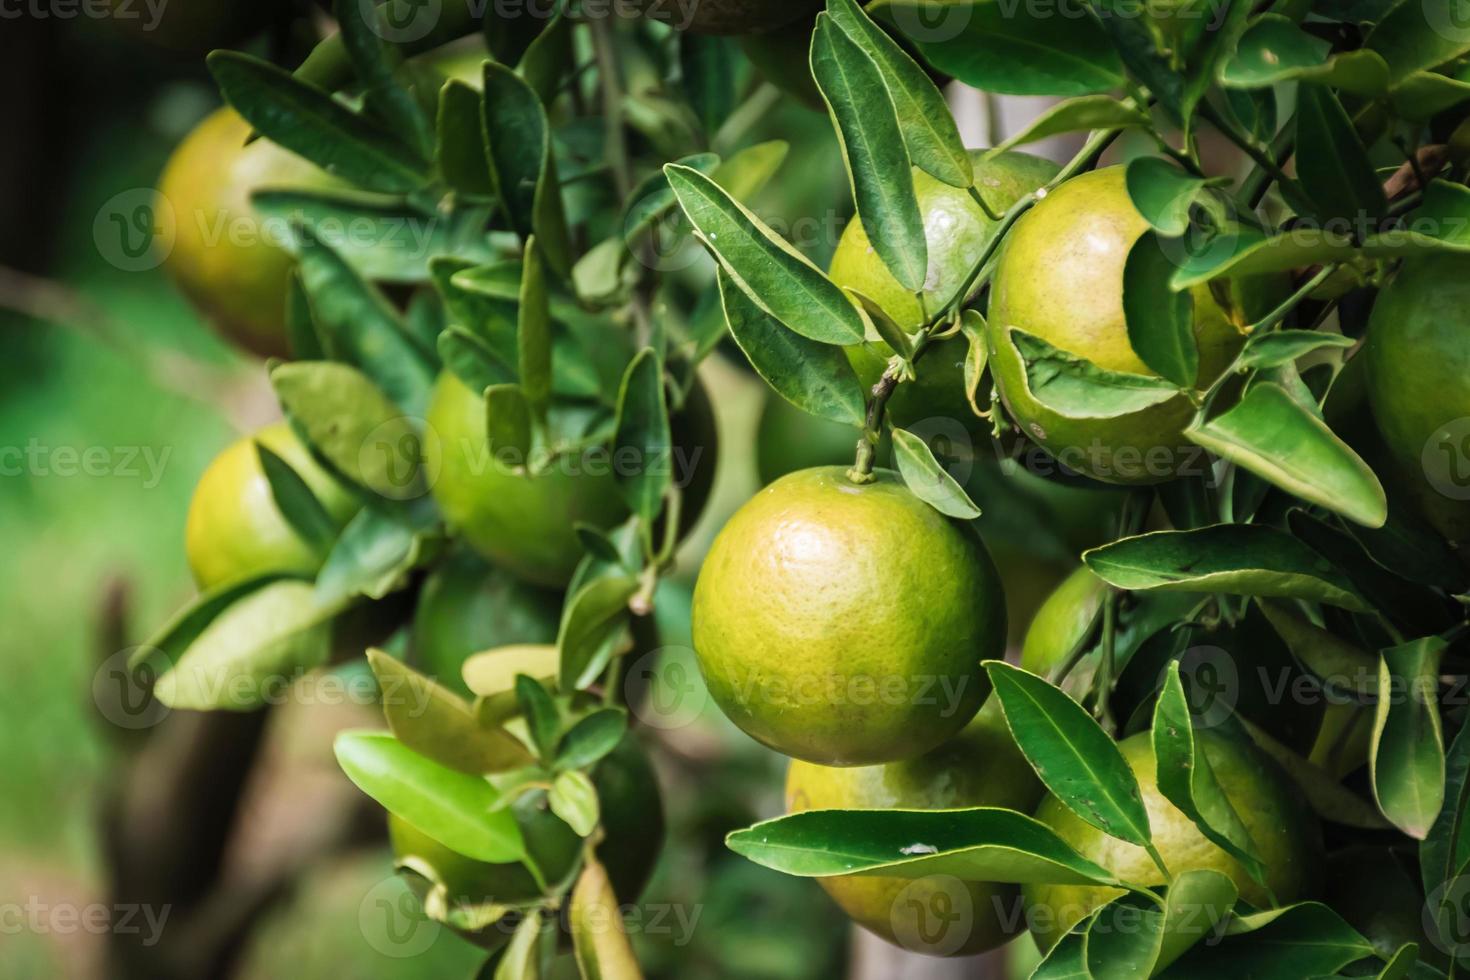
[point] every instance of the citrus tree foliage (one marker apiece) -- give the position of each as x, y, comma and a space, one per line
552, 290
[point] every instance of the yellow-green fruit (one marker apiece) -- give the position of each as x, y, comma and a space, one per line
1063, 621
1287, 836
1060, 278
468, 605
234, 529
1418, 378
224, 258
844, 624
956, 232
939, 915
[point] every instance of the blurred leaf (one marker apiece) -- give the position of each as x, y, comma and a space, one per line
484, 301
1131, 26
548, 58
508, 425
518, 144
1271, 435
1073, 115
170, 640
643, 437
1337, 663
310, 123
349, 421
304, 514
927, 480
543, 718
250, 650
573, 798
493, 672
747, 171
1072, 755
815, 377
1328, 798
533, 332
1407, 763
372, 557
653, 199
767, 269
872, 146
1235, 559
434, 722
472, 361
1160, 321
928, 129
374, 61
522, 958
1425, 94
1415, 37
598, 938
302, 338
591, 615
1331, 162
1162, 193
459, 151
1074, 387
460, 811
592, 738
1303, 940
709, 65
982, 844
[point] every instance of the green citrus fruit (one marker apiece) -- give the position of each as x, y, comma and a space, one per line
468, 605
1287, 837
224, 258
1418, 379
1060, 278
939, 914
525, 523
234, 529
956, 231
1063, 621
844, 624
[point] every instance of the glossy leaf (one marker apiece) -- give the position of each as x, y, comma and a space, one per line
928, 127
1446, 847
253, 648
1270, 434
1123, 939
872, 147
533, 332
1303, 940
518, 145
774, 275
543, 717
304, 514
1331, 162
815, 377
459, 152
887, 328
1406, 762
1416, 37
599, 941
1275, 50
1236, 559
1162, 193
643, 441
573, 798
1072, 755
1199, 900
983, 844
434, 722
591, 738
1160, 321
460, 811
591, 615
310, 123
1186, 779
353, 425
928, 480
1073, 115
1076, 388
1280, 347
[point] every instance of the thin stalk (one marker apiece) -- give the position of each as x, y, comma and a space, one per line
1276, 316
1251, 148
611, 83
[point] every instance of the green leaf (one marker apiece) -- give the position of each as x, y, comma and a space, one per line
508, 425
573, 798
518, 145
364, 326
293, 498
1269, 433
1424, 95
1162, 193
643, 443
977, 358
767, 269
1328, 798
599, 940
592, 614
746, 172
929, 481
303, 339
483, 300
1406, 762
374, 61
1275, 50
1130, 26
1073, 115
1123, 939
459, 152
1418, 36
815, 377
982, 844
1074, 387
1199, 900
434, 722
472, 360
311, 124
1331, 162
1337, 663
493, 672
379, 240
372, 557
1160, 321
653, 199
592, 738
930, 134
170, 640
462, 812
872, 147
1303, 940
543, 718
888, 329
1236, 559
548, 58
533, 332
251, 650
349, 421
1186, 780
1402, 963
1282, 347
709, 65
1011, 50
522, 957
1074, 757
1446, 847
1068, 958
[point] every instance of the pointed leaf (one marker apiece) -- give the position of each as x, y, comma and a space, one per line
1075, 387
929, 481
1337, 663
543, 718
1160, 321
493, 672
372, 557
518, 145
1304, 940
1123, 939
592, 738
293, 498
1162, 193
643, 444
533, 332
1084, 112
598, 938
1406, 762
1199, 900
1446, 847
460, 151
374, 62
1328, 798
591, 615
1280, 347
1331, 162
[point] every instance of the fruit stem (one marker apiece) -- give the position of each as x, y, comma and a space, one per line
867, 446
980, 200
